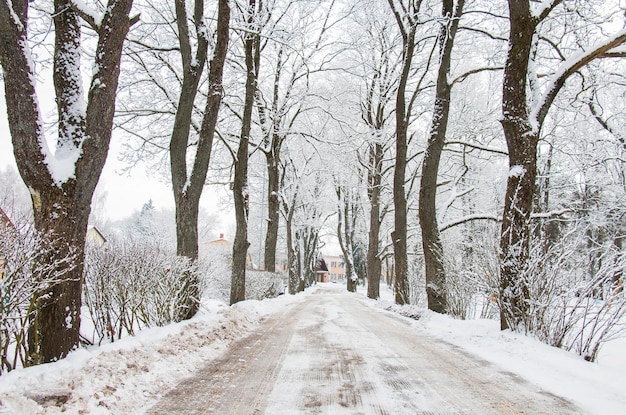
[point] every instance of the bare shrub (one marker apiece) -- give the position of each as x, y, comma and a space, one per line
22, 280
134, 283
573, 305
216, 266
472, 280
263, 284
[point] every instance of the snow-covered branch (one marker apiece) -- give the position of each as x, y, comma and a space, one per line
478, 147
89, 15
464, 76
571, 65
545, 8
551, 214
469, 218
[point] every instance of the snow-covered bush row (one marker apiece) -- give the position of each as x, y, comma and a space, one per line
262, 284
216, 274
472, 281
135, 283
576, 298
20, 280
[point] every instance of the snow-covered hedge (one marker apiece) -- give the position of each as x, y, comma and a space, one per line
574, 305
134, 283
262, 284
216, 268
22, 277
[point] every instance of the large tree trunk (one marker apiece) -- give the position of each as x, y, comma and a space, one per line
240, 184
241, 243
55, 326
522, 142
408, 22
399, 235
515, 234
431, 240
273, 204
374, 265
61, 202
522, 119
188, 186
186, 206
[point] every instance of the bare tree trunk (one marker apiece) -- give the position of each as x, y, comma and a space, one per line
407, 18
188, 186
310, 239
240, 184
431, 241
186, 211
522, 143
300, 265
292, 260
522, 121
399, 234
61, 205
345, 235
240, 243
373, 245
273, 204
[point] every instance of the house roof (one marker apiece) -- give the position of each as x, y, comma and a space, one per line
95, 230
321, 266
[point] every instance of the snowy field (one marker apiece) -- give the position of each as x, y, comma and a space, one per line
130, 375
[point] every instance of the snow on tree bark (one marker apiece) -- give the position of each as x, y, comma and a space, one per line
61, 199
240, 183
524, 109
431, 241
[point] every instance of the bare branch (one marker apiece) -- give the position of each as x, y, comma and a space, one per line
469, 218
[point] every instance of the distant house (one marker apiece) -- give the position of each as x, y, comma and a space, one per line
336, 267
95, 237
321, 271
220, 244
221, 248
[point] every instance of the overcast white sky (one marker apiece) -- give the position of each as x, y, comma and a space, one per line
124, 194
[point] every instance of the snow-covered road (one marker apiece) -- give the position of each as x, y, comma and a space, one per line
332, 354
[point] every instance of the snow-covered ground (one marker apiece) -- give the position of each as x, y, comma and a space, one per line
599, 388
130, 375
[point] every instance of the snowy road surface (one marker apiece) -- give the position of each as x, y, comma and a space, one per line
331, 354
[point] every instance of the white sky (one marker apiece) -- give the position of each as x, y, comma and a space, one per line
124, 194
